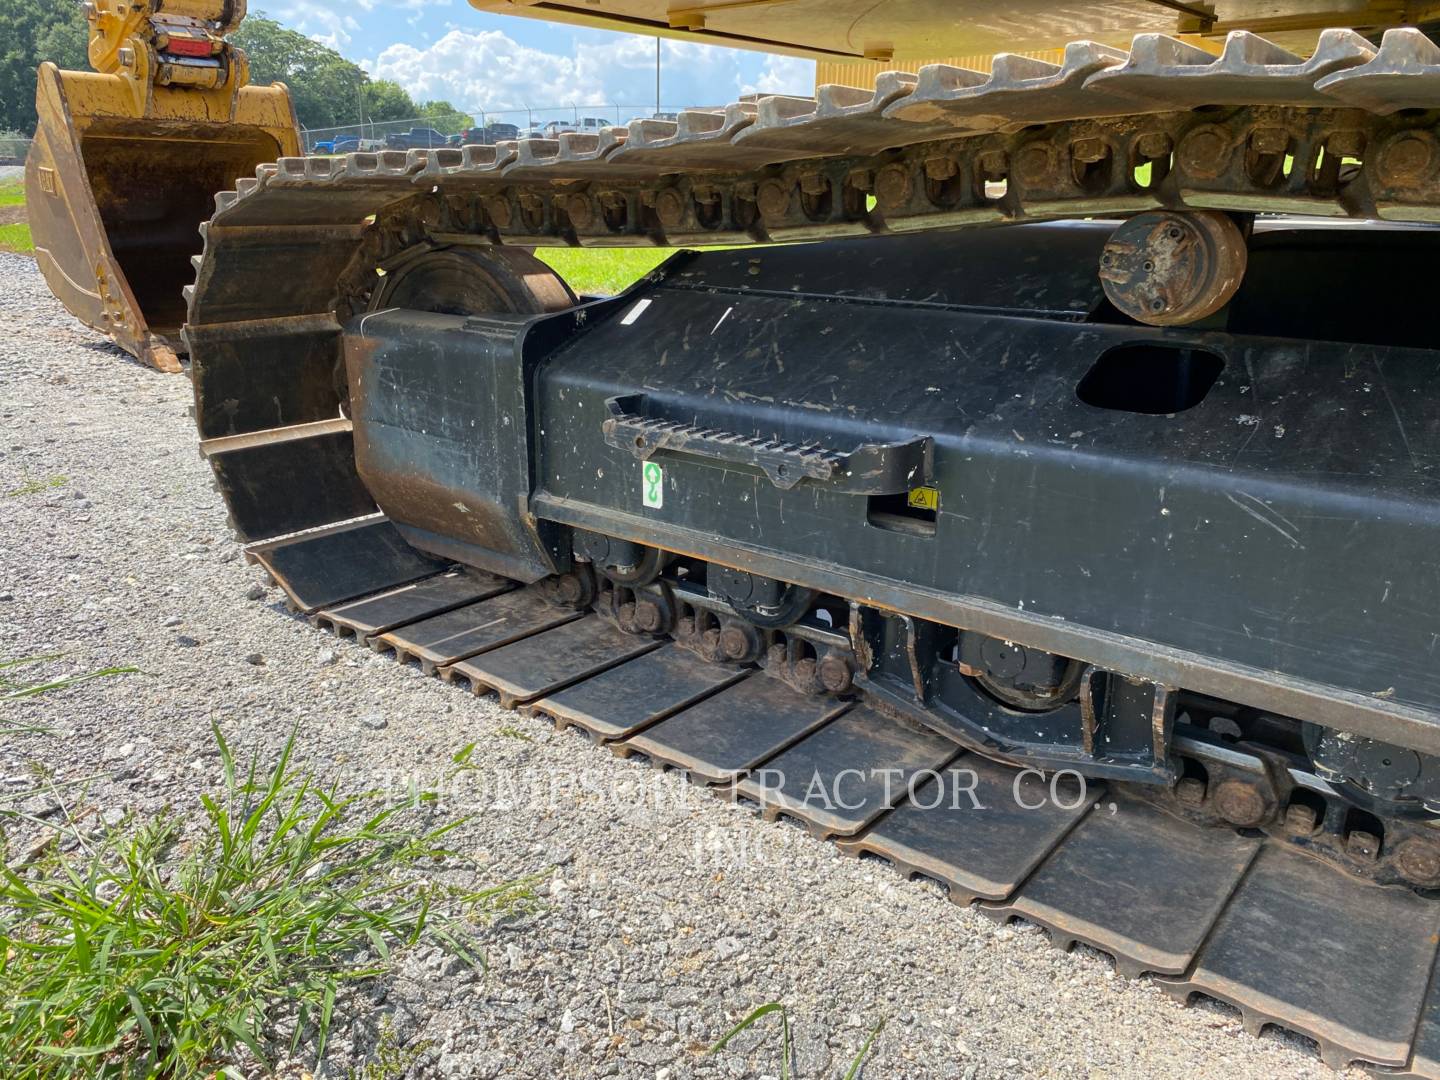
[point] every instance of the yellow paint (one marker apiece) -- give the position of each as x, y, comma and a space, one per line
924, 498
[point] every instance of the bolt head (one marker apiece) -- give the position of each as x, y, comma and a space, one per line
648, 616
1154, 144
1406, 159
892, 187
1240, 803
1300, 819
1190, 791
1270, 140
670, 208
580, 212
835, 674
1204, 152
1363, 845
498, 210
1419, 860
773, 198
1032, 164
734, 643
1089, 150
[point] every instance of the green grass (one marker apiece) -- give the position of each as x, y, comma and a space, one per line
602, 270
787, 1046
12, 193
159, 951
34, 487
10, 690
16, 238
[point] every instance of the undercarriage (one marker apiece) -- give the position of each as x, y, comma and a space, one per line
1116, 519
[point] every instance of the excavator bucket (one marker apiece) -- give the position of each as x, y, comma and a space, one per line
124, 168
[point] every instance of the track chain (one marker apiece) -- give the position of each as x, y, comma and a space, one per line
291, 253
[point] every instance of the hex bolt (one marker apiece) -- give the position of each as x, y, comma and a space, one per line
773, 198
835, 674
579, 210
1190, 791
734, 643
648, 617
1240, 803
941, 168
1419, 860
1153, 145
1270, 140
1300, 819
1345, 144
1089, 150
892, 187
1363, 845
670, 208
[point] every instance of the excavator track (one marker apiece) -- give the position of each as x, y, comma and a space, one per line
294, 253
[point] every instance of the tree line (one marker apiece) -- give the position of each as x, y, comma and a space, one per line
328, 90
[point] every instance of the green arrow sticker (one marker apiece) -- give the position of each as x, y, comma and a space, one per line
652, 485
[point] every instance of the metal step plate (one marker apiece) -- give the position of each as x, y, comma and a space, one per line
410, 603
979, 828
720, 738
1136, 883
623, 700
844, 776
1332, 957
472, 629
544, 663
328, 567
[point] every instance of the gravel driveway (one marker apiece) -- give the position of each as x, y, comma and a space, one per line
667, 914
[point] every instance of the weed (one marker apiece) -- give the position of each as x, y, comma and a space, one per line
787, 1049
509, 731
32, 487
390, 1060
12, 691
156, 952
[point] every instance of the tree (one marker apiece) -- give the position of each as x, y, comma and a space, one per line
327, 89
386, 100
445, 118
32, 31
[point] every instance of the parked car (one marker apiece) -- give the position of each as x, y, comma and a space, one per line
492, 133
414, 139
337, 144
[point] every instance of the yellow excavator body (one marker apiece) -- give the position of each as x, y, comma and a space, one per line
127, 158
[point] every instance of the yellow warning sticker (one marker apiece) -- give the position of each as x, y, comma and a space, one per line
924, 498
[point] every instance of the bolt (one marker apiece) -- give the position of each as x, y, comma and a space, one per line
1405, 159
1032, 164
1240, 803
670, 208
835, 674
1363, 845
1270, 140
734, 643
892, 187
1204, 152
580, 211
1419, 860
126, 57
1157, 305
941, 168
1190, 791
814, 183
648, 617
1089, 150
773, 198
498, 210
1153, 145
1300, 819
1345, 144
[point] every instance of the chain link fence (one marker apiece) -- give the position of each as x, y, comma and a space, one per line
13, 148
477, 126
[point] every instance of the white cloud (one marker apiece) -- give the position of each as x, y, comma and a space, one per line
489, 70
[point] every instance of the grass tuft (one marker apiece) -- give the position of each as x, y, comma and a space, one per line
34, 487
155, 951
16, 238
787, 1047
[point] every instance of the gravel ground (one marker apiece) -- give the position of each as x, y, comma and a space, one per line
667, 915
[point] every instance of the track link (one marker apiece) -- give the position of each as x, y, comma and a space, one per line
1207, 911
294, 252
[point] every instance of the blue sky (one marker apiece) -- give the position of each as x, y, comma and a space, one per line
447, 49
